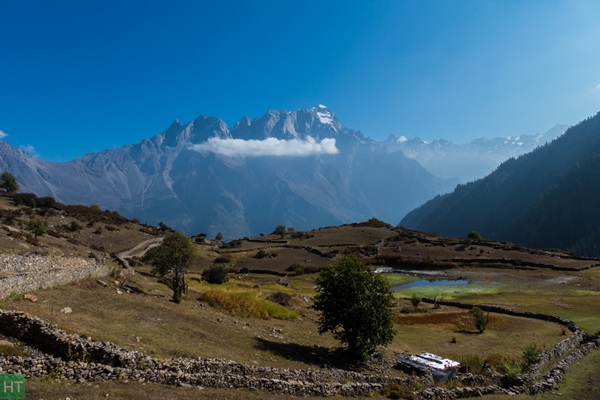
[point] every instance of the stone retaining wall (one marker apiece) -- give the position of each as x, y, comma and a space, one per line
27, 273
566, 353
79, 358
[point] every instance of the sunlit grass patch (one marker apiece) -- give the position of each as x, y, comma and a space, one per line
246, 304
395, 279
242, 299
448, 292
577, 305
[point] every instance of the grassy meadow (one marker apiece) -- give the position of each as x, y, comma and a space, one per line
262, 316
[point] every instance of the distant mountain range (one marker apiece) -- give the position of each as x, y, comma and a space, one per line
547, 198
302, 169
473, 160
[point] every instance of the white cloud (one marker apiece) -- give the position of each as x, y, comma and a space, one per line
3, 134
402, 139
27, 148
267, 147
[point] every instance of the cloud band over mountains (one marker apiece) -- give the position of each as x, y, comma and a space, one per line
266, 147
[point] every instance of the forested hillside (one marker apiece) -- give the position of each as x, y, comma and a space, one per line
547, 198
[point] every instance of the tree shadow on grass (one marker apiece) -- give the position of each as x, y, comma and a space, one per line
312, 355
468, 332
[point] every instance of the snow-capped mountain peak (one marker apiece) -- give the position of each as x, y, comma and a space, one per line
325, 116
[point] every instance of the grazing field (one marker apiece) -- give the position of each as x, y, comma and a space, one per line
153, 324
263, 316
573, 295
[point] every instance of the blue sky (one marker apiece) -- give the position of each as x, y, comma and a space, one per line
81, 76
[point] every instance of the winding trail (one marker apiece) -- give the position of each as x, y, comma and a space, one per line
137, 251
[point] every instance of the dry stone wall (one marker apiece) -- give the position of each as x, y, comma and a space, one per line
27, 273
555, 361
80, 358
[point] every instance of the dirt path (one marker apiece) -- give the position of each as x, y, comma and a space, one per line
137, 251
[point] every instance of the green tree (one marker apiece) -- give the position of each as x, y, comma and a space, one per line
38, 227
474, 235
279, 230
480, 320
219, 236
355, 305
172, 257
8, 182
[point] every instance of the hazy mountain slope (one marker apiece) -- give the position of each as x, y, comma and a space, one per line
187, 177
473, 160
547, 198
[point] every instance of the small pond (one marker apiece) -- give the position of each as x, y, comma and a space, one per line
445, 288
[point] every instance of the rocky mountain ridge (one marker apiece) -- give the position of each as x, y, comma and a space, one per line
301, 169
473, 160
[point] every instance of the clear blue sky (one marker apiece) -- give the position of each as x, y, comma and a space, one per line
80, 76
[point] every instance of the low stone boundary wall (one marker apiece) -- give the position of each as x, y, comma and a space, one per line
27, 273
74, 357
79, 358
566, 353
106, 361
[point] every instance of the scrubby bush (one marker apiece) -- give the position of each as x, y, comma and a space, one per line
73, 226
474, 235
215, 275
280, 298
479, 319
260, 254
38, 227
31, 200
415, 300
298, 269
222, 260
532, 354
